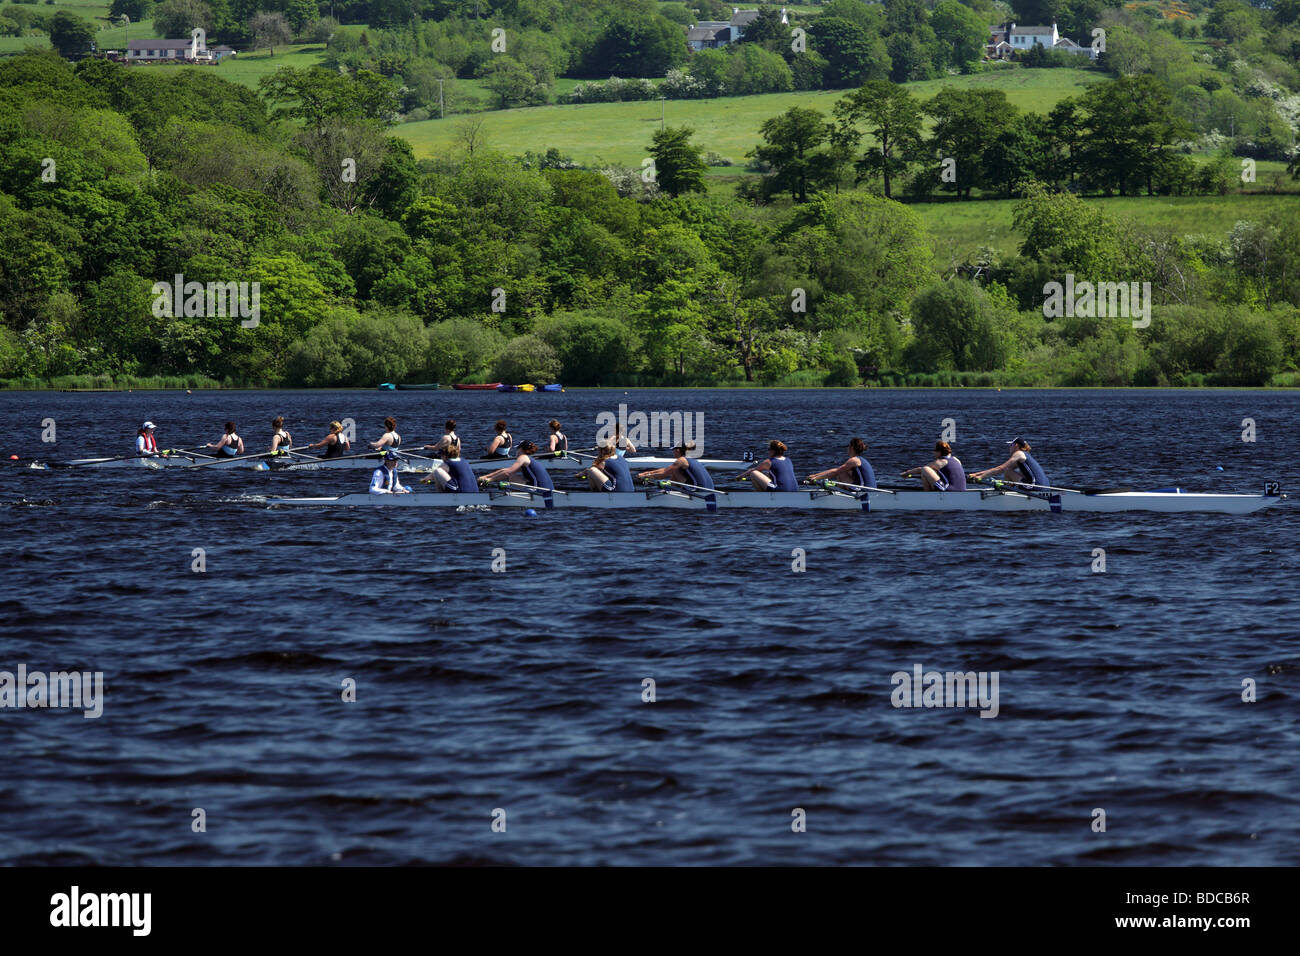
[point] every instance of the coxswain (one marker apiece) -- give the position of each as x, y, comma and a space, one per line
389, 439
856, 470
529, 470
684, 469
281, 440
449, 438
336, 444
146, 444
500, 445
945, 473
385, 481
559, 442
609, 472
774, 473
1019, 468
230, 445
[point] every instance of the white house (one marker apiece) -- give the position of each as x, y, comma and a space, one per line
1009, 39
192, 51
709, 34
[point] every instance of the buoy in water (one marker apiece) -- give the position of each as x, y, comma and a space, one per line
530, 512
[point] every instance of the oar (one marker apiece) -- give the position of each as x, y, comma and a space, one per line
520, 486
844, 484
998, 482
222, 461
666, 482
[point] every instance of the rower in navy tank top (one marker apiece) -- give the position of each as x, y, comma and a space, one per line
460, 475
684, 469
945, 473
1021, 467
559, 441
775, 473
619, 473
856, 470
524, 471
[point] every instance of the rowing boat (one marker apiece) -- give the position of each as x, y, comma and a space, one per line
486, 387
677, 496
297, 461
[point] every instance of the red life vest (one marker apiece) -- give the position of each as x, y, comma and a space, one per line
150, 443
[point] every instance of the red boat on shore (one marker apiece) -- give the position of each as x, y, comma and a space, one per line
490, 387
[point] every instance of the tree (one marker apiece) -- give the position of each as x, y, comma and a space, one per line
767, 29
636, 43
1128, 124
269, 29
317, 96
853, 56
957, 327
527, 360
70, 34
965, 121
961, 34
679, 163
512, 83
792, 148
893, 118
178, 18
137, 10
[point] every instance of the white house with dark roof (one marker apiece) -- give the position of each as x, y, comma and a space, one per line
710, 34
191, 51
1009, 39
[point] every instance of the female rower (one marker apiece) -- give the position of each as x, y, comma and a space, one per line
389, 439
559, 441
146, 445
945, 473
230, 445
455, 474
385, 481
281, 440
775, 473
609, 472
449, 438
529, 470
499, 446
856, 470
1020, 467
336, 444
684, 470
623, 446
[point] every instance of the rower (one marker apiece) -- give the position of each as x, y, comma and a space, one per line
281, 440
530, 471
385, 481
455, 473
1019, 468
775, 473
230, 445
856, 470
559, 442
499, 446
449, 438
945, 473
684, 469
335, 443
146, 445
622, 445
389, 439
609, 472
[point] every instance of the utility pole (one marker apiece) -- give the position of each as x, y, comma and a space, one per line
661, 112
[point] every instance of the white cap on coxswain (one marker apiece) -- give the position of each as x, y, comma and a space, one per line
149, 425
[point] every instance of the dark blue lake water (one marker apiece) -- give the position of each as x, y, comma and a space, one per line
522, 690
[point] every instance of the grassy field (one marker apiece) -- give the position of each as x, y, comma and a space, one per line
961, 228
620, 132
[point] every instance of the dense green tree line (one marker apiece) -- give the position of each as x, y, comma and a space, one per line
373, 266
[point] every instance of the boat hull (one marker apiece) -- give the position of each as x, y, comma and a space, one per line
810, 500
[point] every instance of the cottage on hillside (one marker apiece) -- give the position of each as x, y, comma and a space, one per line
1009, 39
711, 34
189, 51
